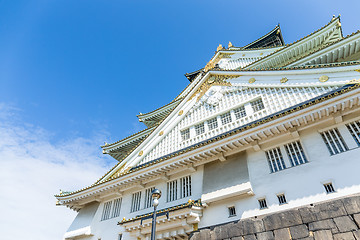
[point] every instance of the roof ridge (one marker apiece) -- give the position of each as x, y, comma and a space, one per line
264, 36
173, 101
291, 44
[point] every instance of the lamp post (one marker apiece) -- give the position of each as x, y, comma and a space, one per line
155, 195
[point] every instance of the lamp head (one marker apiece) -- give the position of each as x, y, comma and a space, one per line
155, 194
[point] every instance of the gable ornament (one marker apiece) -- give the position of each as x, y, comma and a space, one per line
323, 78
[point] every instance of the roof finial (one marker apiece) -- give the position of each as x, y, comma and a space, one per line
333, 18
230, 45
220, 47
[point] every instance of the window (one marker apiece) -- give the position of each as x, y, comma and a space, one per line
262, 203
232, 211
281, 198
135, 202
257, 105
240, 112
199, 129
354, 129
116, 208
275, 160
185, 134
212, 123
334, 141
106, 211
148, 198
185, 186
295, 153
172, 191
225, 118
329, 188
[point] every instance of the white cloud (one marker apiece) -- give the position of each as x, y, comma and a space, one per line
33, 169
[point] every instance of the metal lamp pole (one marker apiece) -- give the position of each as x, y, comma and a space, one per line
155, 194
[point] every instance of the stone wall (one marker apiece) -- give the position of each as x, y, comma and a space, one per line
336, 219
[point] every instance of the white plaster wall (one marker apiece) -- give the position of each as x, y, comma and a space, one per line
301, 184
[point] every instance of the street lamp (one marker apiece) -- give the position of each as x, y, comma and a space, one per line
155, 195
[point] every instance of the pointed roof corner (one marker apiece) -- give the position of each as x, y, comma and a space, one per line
273, 38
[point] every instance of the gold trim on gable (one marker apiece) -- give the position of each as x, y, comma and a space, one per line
214, 80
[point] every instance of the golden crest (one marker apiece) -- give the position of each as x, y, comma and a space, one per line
220, 47
214, 80
357, 70
284, 80
230, 45
181, 112
141, 153
252, 80
261, 54
323, 78
161, 133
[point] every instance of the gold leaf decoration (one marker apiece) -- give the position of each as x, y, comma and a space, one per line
212, 63
284, 80
230, 45
323, 78
141, 153
161, 133
181, 112
354, 81
220, 47
252, 80
213, 80
357, 70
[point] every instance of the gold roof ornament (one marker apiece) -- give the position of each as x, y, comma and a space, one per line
141, 153
284, 80
220, 47
230, 45
252, 80
323, 78
209, 66
181, 112
333, 18
161, 133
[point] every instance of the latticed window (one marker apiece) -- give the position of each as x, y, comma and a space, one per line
281, 198
226, 118
212, 123
329, 188
185, 134
275, 159
334, 141
148, 198
172, 191
106, 211
135, 202
262, 203
296, 153
354, 129
199, 129
257, 105
116, 208
185, 186
232, 211
240, 112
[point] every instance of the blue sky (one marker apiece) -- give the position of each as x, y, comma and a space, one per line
73, 74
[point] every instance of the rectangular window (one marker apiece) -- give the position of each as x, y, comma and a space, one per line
354, 129
116, 208
199, 129
296, 153
262, 203
185, 186
212, 123
135, 202
281, 198
185, 134
172, 191
329, 188
275, 160
334, 141
257, 105
148, 199
226, 118
240, 112
106, 211
232, 211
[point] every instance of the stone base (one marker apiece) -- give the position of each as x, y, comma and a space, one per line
337, 219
